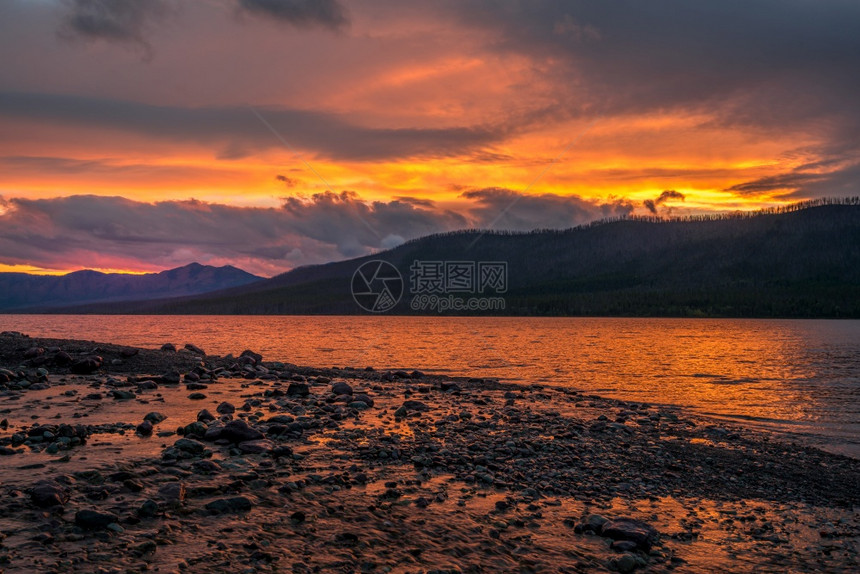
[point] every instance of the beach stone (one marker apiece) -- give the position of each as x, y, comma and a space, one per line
6, 451
197, 428
169, 347
170, 378
122, 395
298, 390
623, 545
225, 505
196, 396
341, 388
46, 494
449, 386
62, 359
147, 386
144, 428
173, 492
626, 563
34, 352
206, 466
87, 365
94, 520
154, 417
362, 397
256, 446
642, 533
195, 349
190, 446
196, 386
148, 509
205, 416
256, 357
225, 408
213, 433
239, 431
282, 451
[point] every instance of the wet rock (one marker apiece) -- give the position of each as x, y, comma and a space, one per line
149, 509
225, 408
255, 357
63, 359
144, 548
362, 397
195, 429
173, 493
94, 520
6, 451
213, 432
225, 505
196, 386
205, 416
87, 365
195, 349
239, 431
206, 467
196, 396
449, 386
623, 545
170, 378
190, 446
34, 352
147, 386
626, 563
256, 446
122, 395
281, 451
643, 534
298, 390
46, 494
144, 428
170, 347
154, 417
341, 388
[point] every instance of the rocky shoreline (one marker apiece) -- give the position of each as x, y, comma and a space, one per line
117, 459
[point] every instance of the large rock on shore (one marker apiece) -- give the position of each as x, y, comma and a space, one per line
94, 520
47, 494
641, 533
239, 431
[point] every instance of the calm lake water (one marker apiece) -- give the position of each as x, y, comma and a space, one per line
796, 378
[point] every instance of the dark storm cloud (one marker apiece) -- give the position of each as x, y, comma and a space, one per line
835, 176
236, 132
500, 208
653, 204
772, 66
100, 231
112, 20
325, 13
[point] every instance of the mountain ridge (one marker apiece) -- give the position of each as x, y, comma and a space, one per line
22, 291
802, 262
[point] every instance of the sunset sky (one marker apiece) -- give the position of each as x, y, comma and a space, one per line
141, 135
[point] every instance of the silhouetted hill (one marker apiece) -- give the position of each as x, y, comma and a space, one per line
19, 291
797, 262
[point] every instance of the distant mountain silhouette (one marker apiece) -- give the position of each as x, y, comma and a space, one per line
798, 262
20, 291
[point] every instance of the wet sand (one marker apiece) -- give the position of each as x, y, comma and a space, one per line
299, 469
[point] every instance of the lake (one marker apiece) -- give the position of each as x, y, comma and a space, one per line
796, 378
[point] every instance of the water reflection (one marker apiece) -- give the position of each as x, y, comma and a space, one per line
795, 376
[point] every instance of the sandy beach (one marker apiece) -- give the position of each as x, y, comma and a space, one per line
118, 459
